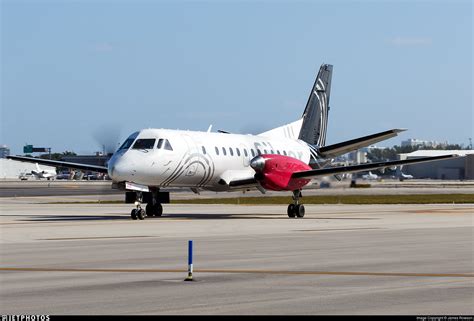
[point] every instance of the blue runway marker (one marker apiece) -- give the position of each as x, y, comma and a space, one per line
190, 261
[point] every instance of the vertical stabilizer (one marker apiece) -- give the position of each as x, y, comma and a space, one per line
315, 116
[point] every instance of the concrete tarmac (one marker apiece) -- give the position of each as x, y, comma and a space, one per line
338, 259
102, 190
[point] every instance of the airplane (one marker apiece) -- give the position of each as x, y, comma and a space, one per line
48, 174
285, 158
370, 176
402, 176
405, 176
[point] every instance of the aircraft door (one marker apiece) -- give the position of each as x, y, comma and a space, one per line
192, 150
245, 159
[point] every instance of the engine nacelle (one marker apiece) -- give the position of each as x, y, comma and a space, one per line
274, 172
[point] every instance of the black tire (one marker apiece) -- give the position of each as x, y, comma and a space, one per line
133, 214
141, 214
150, 209
299, 210
158, 209
291, 210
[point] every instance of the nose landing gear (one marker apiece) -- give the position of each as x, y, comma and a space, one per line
153, 208
138, 212
296, 209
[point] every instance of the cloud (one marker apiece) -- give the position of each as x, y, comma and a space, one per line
410, 41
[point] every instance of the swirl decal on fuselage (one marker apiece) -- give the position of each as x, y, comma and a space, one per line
197, 159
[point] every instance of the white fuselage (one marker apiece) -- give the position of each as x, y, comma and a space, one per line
370, 176
44, 174
176, 158
39, 173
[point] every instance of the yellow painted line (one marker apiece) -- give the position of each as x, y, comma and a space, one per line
438, 275
96, 237
340, 229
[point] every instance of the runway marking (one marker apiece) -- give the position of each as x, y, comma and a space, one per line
443, 211
230, 271
341, 229
95, 237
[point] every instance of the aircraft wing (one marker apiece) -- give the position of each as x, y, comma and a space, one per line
365, 167
353, 144
243, 182
83, 167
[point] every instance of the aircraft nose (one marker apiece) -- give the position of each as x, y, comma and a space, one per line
118, 169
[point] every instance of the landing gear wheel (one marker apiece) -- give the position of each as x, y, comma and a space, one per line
150, 210
158, 209
291, 210
141, 213
299, 210
154, 210
133, 214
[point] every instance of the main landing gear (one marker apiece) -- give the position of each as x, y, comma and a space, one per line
152, 209
296, 209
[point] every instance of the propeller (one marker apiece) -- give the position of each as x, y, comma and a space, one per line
108, 138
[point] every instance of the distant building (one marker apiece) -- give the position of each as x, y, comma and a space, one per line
357, 157
97, 160
4, 151
11, 169
461, 168
371, 148
413, 142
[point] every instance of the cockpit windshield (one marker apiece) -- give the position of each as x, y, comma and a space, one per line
129, 141
144, 143
164, 144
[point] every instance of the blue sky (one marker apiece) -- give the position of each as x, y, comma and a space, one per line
76, 74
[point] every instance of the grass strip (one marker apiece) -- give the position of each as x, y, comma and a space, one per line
341, 199
320, 199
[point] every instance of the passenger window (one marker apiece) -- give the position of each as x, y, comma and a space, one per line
259, 152
265, 151
245, 153
223, 151
284, 152
238, 151
231, 151
168, 145
253, 152
278, 152
271, 151
217, 151
146, 143
204, 150
264, 144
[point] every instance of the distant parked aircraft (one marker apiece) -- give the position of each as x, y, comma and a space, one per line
405, 176
48, 174
370, 176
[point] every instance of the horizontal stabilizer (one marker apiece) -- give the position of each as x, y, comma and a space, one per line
365, 167
82, 167
353, 144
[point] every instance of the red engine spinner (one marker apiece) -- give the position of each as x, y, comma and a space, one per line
274, 172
